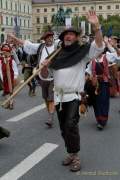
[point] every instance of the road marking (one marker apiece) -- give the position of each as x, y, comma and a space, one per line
28, 163
26, 114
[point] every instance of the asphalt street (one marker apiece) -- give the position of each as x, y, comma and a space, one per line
34, 152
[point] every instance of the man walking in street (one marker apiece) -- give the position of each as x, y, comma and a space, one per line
69, 77
43, 51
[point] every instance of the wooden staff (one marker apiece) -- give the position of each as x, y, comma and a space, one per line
30, 78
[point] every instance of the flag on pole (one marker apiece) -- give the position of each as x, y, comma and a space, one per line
110, 31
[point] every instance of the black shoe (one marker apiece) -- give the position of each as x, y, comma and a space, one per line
100, 127
4, 133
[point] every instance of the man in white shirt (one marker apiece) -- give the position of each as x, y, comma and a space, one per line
43, 51
47, 86
69, 77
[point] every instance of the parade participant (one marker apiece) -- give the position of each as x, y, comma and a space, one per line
8, 72
100, 82
1, 88
4, 133
43, 51
69, 78
29, 62
14, 54
47, 86
113, 56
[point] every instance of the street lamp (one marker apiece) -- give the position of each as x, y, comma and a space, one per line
16, 20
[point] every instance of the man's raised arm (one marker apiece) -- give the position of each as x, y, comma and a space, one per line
29, 47
94, 21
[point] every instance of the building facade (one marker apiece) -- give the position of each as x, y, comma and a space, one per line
43, 10
16, 16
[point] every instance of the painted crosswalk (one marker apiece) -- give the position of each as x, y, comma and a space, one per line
27, 164
26, 113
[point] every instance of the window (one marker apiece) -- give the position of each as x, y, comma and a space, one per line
20, 7
20, 22
53, 10
45, 19
29, 36
108, 16
76, 9
38, 10
38, 30
28, 23
28, 10
24, 22
117, 6
1, 19
100, 7
84, 8
24, 8
15, 7
45, 9
6, 5
38, 20
1, 3
11, 6
11, 21
7, 21
92, 8
108, 7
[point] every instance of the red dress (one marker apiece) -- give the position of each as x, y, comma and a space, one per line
4, 74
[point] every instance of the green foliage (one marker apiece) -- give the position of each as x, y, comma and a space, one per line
76, 21
47, 28
112, 21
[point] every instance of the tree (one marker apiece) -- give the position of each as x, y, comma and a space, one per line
111, 24
47, 28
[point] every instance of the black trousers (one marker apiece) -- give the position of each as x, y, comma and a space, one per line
68, 120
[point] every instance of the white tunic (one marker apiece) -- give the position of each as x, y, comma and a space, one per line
69, 81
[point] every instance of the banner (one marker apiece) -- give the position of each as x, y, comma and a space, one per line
68, 22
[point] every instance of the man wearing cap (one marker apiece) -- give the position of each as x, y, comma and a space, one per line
43, 50
69, 77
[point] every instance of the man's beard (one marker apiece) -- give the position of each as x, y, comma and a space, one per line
68, 43
49, 43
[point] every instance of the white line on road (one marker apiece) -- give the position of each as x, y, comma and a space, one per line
28, 163
26, 114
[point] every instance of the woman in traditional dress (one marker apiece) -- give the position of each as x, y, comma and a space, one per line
8, 72
100, 75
